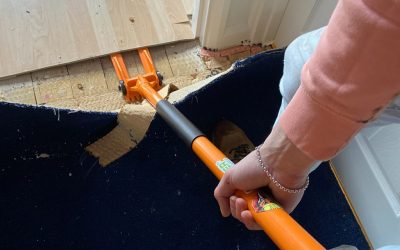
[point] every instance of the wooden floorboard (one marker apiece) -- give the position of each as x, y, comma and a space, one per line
42, 34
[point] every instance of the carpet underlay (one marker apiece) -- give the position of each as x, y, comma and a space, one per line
54, 195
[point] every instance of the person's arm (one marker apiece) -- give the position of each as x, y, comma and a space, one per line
353, 74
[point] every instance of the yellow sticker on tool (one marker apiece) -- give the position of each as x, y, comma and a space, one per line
225, 164
263, 204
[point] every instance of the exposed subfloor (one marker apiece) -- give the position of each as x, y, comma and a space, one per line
92, 84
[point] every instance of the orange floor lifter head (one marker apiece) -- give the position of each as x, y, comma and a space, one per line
132, 88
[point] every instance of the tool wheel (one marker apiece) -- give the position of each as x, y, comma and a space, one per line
160, 78
122, 88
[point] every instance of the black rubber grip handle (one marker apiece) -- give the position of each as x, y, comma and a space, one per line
178, 122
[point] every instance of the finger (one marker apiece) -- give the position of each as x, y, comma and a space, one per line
245, 215
249, 221
223, 191
232, 202
241, 205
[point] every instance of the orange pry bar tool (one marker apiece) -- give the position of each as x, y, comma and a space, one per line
284, 231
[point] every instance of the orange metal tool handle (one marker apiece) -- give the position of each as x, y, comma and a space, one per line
283, 230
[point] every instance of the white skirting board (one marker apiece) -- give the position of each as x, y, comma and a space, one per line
369, 169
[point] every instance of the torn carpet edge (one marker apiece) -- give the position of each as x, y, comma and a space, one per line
133, 122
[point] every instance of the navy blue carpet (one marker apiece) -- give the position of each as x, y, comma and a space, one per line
53, 195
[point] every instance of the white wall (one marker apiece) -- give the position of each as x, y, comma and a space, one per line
225, 23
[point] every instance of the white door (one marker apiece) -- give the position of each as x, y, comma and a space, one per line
369, 168
301, 17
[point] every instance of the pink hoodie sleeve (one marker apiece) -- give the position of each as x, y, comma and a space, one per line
353, 74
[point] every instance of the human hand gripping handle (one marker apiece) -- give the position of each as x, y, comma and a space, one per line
259, 212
